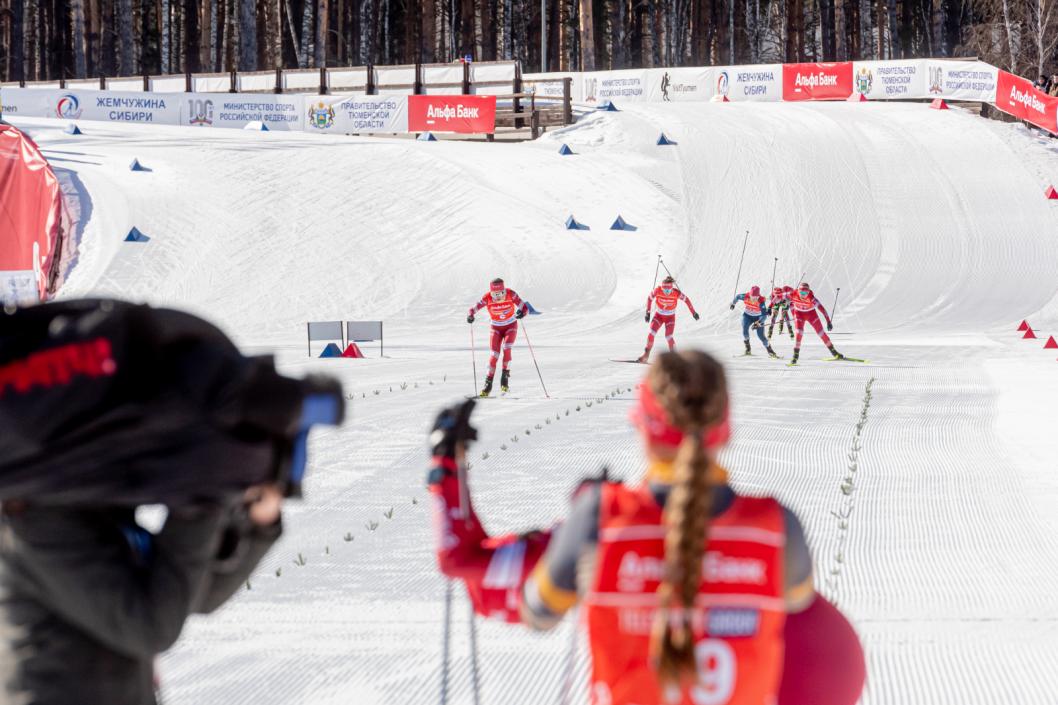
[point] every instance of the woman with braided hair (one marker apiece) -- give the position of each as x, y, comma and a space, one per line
692, 594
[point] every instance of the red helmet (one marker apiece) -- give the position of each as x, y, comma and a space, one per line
754, 291
496, 285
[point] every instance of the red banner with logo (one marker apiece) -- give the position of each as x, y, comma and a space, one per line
452, 113
817, 81
33, 218
1018, 97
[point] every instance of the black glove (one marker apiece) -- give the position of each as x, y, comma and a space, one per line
470, 318
830, 326
646, 316
451, 428
520, 313
696, 316
732, 307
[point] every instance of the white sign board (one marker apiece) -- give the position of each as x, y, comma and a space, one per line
356, 114
961, 80
738, 83
889, 80
234, 110
107, 106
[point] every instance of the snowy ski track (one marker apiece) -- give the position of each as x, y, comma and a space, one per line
943, 552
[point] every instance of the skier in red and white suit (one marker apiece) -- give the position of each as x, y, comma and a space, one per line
804, 304
667, 297
505, 308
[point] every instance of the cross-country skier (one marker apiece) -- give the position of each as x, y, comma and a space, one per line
686, 586
505, 308
780, 310
755, 316
804, 304
667, 297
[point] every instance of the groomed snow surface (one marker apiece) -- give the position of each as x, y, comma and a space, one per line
944, 548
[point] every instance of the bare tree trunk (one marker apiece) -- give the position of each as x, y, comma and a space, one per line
77, 37
322, 26
1011, 41
307, 24
587, 36
18, 40
880, 22
247, 35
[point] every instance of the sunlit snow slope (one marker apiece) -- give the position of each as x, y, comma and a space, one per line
933, 224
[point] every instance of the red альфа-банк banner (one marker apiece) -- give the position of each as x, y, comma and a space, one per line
474, 114
831, 81
1018, 97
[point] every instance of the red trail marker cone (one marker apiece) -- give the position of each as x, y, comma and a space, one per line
1029, 335
1051, 193
939, 104
1023, 327
1051, 344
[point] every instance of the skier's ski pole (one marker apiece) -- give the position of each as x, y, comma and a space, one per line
444, 643
525, 331
667, 270
656, 267
474, 359
571, 658
776, 264
834, 311
741, 259
474, 683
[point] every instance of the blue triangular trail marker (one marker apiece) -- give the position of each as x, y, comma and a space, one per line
622, 224
332, 350
136, 236
609, 107
256, 126
572, 224
663, 140
136, 166
564, 150
73, 129
426, 137
532, 311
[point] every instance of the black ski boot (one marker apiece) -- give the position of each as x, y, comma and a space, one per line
487, 389
505, 378
836, 354
772, 353
748, 351
796, 353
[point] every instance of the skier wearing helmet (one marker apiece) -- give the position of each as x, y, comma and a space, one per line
690, 591
780, 306
754, 316
505, 308
667, 297
804, 304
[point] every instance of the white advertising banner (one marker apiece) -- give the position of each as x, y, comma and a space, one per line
548, 86
356, 114
679, 84
738, 83
961, 80
118, 106
235, 110
889, 80
601, 87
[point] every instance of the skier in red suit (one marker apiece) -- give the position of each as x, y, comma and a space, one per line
667, 297
804, 304
505, 308
754, 631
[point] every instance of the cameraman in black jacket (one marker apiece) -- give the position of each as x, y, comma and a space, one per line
89, 598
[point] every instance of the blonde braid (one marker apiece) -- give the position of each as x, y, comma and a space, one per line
691, 387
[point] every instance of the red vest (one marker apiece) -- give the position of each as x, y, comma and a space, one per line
666, 302
753, 304
502, 311
802, 303
738, 619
